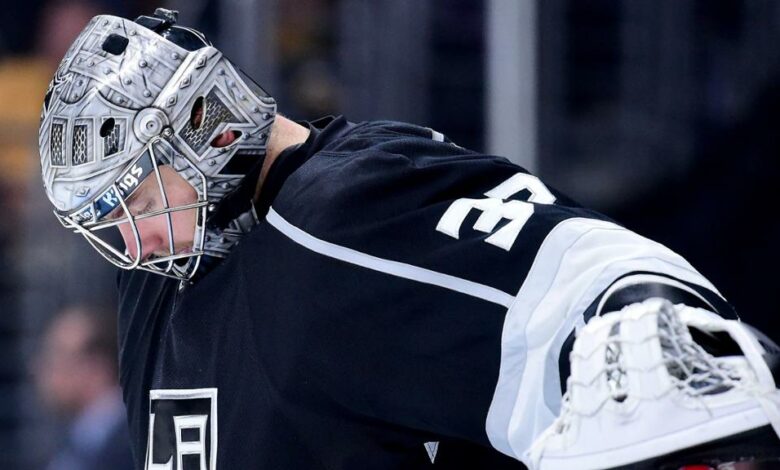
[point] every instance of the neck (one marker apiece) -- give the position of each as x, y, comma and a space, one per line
284, 133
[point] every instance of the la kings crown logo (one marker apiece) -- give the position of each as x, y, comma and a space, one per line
182, 430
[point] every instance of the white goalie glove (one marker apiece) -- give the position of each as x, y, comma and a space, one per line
643, 393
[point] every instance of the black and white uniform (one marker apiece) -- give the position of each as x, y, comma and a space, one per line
402, 304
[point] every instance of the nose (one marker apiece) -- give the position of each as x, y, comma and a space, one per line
149, 240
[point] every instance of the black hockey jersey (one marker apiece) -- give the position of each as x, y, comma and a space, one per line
403, 304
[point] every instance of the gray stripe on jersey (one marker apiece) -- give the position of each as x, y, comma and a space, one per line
393, 268
577, 261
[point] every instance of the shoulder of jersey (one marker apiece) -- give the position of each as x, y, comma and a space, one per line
406, 194
382, 170
378, 169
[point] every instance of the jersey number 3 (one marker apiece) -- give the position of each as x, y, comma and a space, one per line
495, 207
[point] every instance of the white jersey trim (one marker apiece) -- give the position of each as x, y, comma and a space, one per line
393, 268
577, 261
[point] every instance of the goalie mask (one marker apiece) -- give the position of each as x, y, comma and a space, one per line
131, 98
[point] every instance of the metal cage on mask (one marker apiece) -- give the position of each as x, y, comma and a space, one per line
110, 209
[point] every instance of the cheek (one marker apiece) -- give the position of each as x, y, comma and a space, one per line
184, 226
183, 221
180, 193
129, 238
151, 231
126, 232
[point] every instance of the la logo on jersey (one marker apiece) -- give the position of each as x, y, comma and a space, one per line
182, 430
494, 208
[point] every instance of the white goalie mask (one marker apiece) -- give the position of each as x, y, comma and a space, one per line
120, 106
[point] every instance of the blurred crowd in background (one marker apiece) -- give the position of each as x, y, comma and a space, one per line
660, 113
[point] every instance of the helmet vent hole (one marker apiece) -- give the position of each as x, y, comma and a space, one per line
107, 127
196, 116
115, 44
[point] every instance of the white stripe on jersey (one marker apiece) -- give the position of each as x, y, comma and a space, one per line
393, 268
577, 261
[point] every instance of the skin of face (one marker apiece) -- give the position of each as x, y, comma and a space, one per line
153, 231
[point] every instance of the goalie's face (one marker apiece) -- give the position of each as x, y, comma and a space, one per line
161, 235
156, 209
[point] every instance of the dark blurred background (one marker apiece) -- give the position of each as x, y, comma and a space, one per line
660, 113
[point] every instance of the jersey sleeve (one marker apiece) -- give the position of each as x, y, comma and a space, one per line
450, 282
576, 265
